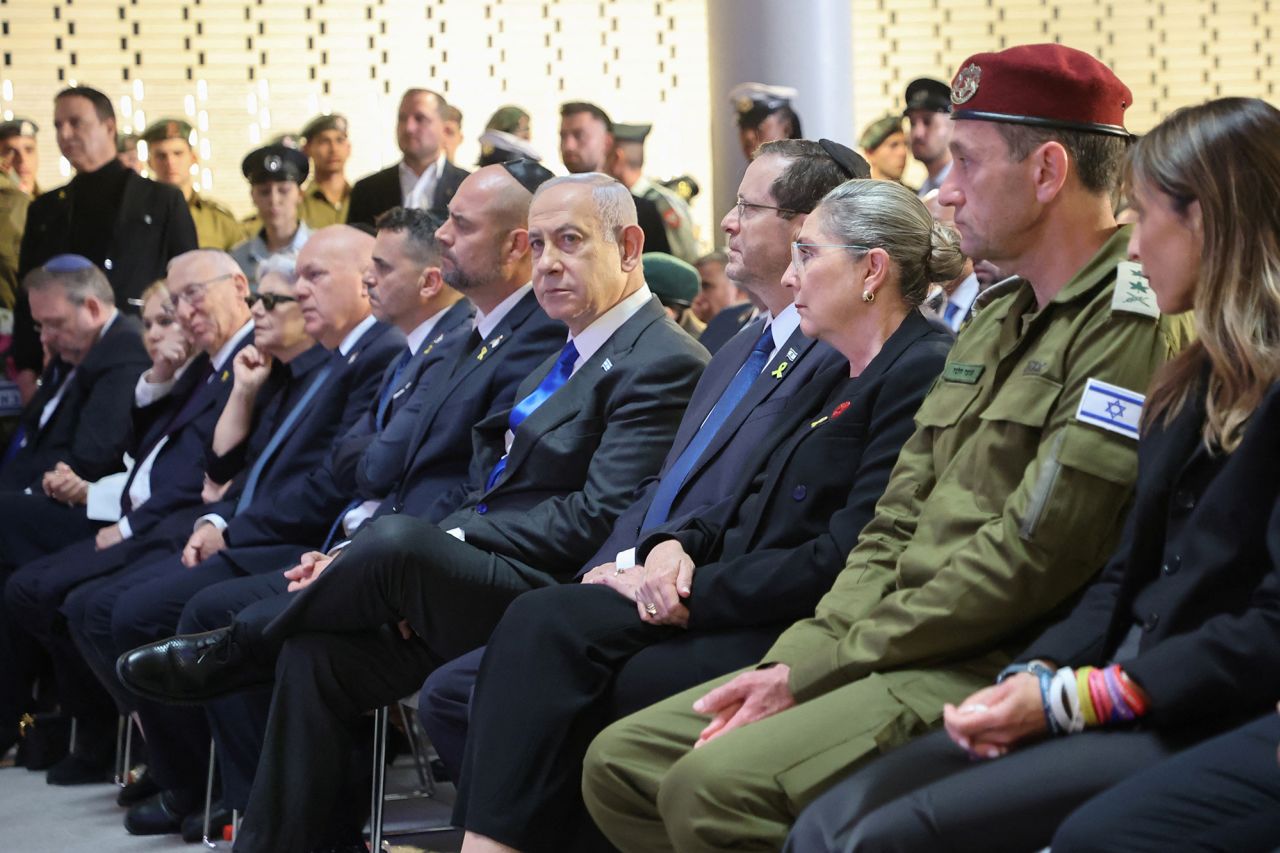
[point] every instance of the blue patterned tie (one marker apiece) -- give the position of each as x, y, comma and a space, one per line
278, 437
384, 399
669, 485
550, 383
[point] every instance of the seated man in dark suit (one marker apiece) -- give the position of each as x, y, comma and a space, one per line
726, 421
424, 178
548, 479
126, 225
416, 463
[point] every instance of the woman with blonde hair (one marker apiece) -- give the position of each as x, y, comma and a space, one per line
1179, 637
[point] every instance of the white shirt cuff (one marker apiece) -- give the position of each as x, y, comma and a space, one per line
145, 393
212, 518
625, 559
126, 529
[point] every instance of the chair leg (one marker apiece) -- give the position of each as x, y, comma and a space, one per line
235, 824
71, 745
122, 772
208, 796
427, 786
128, 748
380, 720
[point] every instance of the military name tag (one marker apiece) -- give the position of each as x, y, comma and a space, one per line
966, 373
1133, 293
1110, 407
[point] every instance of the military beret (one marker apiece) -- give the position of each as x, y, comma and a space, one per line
631, 132
18, 127
506, 119
925, 93
320, 124
673, 281
1044, 85
754, 101
879, 130
166, 128
275, 163
497, 146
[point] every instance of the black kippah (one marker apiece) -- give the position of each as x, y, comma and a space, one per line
849, 161
530, 174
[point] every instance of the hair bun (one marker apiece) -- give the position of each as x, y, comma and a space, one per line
945, 261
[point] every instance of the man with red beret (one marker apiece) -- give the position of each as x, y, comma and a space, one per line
1003, 504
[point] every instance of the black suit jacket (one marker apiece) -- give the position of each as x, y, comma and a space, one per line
1199, 562
773, 548
577, 458
422, 461
725, 325
752, 422
152, 226
294, 484
187, 415
649, 218
375, 194
91, 428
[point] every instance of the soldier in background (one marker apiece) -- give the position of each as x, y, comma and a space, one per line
127, 151
19, 154
627, 164
451, 130
510, 119
764, 115
497, 146
884, 144
173, 161
676, 285
326, 198
929, 111
275, 174
19, 162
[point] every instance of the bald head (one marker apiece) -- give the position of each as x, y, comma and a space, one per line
330, 290
208, 289
485, 241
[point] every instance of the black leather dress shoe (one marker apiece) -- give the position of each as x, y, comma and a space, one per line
138, 790
192, 668
159, 815
79, 768
193, 824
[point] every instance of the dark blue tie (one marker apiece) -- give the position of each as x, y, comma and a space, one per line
550, 383
278, 437
669, 486
950, 314
384, 399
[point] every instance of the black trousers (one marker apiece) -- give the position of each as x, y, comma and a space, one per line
565, 662
341, 657
36, 526
1222, 795
930, 796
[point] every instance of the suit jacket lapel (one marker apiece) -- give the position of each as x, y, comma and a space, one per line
735, 353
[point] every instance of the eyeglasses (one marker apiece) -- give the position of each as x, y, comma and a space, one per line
742, 206
800, 258
269, 300
193, 294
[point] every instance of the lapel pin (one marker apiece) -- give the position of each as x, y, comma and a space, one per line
226, 374
818, 422
780, 369
484, 350
792, 354
608, 365
351, 359
493, 344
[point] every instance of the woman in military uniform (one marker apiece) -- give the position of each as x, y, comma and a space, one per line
1179, 636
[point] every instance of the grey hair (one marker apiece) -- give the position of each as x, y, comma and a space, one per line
887, 215
284, 265
77, 285
615, 208
219, 259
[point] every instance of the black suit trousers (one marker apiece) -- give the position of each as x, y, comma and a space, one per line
1222, 795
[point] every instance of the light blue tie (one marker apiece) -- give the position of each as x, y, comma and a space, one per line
278, 437
550, 383
669, 486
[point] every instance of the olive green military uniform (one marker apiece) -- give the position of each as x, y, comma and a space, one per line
13, 218
318, 212
1002, 505
677, 221
216, 226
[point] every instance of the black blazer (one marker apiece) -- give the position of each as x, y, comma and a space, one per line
773, 548
577, 458
649, 218
295, 485
722, 327
752, 422
1198, 569
92, 426
375, 194
187, 415
422, 461
152, 226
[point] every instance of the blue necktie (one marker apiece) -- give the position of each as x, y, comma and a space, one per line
950, 314
669, 485
278, 437
384, 399
550, 383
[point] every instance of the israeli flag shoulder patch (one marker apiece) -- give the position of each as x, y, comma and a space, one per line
1110, 407
1133, 293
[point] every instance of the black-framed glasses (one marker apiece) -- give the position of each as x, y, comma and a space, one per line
742, 206
269, 300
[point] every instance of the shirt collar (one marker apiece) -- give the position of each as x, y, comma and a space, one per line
598, 333
410, 179
224, 351
784, 325
102, 333
486, 323
353, 336
416, 338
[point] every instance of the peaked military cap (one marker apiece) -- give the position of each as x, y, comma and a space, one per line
925, 93
275, 163
631, 132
